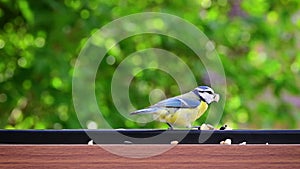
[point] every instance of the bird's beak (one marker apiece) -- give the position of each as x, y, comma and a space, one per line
216, 97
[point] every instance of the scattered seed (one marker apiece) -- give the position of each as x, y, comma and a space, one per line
243, 143
91, 142
225, 127
127, 142
226, 142
206, 127
174, 142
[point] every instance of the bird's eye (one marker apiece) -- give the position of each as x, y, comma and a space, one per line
209, 92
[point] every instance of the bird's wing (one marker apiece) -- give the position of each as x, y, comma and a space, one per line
177, 102
146, 111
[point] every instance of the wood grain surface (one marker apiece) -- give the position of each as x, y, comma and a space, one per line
180, 156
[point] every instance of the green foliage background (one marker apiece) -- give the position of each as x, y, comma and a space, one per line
258, 42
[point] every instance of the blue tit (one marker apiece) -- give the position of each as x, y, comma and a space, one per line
182, 110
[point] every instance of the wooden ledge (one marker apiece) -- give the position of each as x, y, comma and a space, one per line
180, 156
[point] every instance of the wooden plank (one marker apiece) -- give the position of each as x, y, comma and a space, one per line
180, 156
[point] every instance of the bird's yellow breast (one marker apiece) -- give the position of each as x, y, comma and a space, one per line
201, 109
183, 117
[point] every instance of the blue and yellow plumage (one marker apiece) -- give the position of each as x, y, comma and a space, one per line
182, 110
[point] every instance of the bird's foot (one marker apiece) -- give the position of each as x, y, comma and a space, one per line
170, 126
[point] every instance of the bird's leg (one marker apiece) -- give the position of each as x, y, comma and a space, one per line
170, 126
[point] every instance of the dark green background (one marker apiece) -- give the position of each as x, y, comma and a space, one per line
258, 42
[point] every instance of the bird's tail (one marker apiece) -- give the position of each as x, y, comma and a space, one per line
145, 111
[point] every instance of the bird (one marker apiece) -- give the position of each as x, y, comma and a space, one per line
181, 111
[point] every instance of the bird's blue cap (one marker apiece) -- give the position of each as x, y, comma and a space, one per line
203, 87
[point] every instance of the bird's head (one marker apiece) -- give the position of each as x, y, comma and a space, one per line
206, 94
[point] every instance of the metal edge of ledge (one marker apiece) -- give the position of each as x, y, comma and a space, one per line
148, 136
